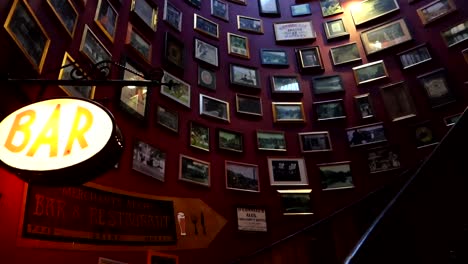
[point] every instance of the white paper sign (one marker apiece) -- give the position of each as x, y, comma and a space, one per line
251, 219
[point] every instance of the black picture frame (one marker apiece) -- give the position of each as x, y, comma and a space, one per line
285, 84
414, 56
318, 141
437, 87
330, 110
249, 105
174, 51
425, 135
167, 118
269, 8
366, 135
230, 140
242, 176
327, 84
66, 12
244, 76
274, 57
309, 59
344, 54
206, 78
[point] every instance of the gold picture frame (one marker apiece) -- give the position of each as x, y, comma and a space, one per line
106, 18
238, 45
65, 74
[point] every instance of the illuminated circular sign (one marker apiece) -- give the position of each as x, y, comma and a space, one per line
63, 141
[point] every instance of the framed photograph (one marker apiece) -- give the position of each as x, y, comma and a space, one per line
435, 10
300, 10
172, 15
93, 48
383, 159
179, 92
287, 171
271, 140
134, 99
452, 119
220, 9
274, 57
387, 35
199, 136
465, 54
244, 76
205, 26
106, 18
455, 34
146, 12
365, 135
398, 101
67, 74
195, 3
368, 10
288, 112
364, 106
327, 84
21, 24
174, 50
230, 140
248, 104
336, 176
269, 8
285, 84
414, 56
161, 258
206, 52
66, 13
330, 7
424, 135
329, 110
213, 107
298, 30
149, 160
251, 219
206, 78
167, 118
437, 88
309, 58
249, 24
335, 29
194, 170
315, 141
344, 54
370, 72
238, 45
109, 261
241, 2
296, 202
138, 43
242, 176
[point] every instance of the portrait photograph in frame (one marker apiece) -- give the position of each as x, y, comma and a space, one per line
106, 18
288, 84
132, 98
436, 85
205, 26
300, 10
167, 118
206, 78
335, 29
383, 159
149, 160
387, 35
206, 52
296, 202
66, 74
435, 10
370, 72
330, 7
230, 140
365, 135
249, 104
66, 12
146, 12
291, 31
212, 107
414, 56
274, 57
180, 92
309, 58
172, 15
194, 170
288, 112
249, 24
330, 110
161, 258
424, 135
199, 136
344, 54
327, 84
364, 106
368, 10
174, 50
21, 24
269, 8
336, 176
287, 171
398, 101
242, 176
455, 34
138, 43
244, 76
452, 119
220, 9
238, 45
271, 140
93, 48
315, 141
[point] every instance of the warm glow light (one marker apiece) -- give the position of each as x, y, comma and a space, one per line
131, 87
355, 7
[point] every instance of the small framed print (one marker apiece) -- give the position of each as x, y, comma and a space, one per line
146, 12
370, 72
179, 91
161, 258
435, 10
220, 9
251, 219
194, 170
387, 35
199, 136
205, 26
244, 76
274, 57
364, 106
300, 10
213, 107
106, 18
288, 112
315, 141
248, 104
206, 78
344, 54
66, 13
249, 24
327, 84
285, 84
174, 51
149, 160
336, 176
271, 140
172, 15
195, 3
167, 118
383, 159
238, 45
330, 7
414, 56
138, 43
335, 29
67, 73
206, 52
424, 135
93, 48
242, 176
309, 58
287, 171
329, 110
134, 99
298, 30
230, 140
452, 119
455, 34
398, 101
365, 135
21, 24
368, 10
436, 85
269, 7
296, 202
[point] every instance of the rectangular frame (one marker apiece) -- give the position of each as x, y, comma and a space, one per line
213, 107
327, 84
93, 48
370, 72
296, 202
238, 45
195, 3
140, 44
180, 92
309, 58
285, 84
174, 51
336, 176
437, 88
172, 15
220, 9
330, 110
194, 170
249, 104
366, 135
330, 7
297, 30
435, 10
398, 101
64, 74
287, 171
364, 106
335, 29
167, 118
344, 54
288, 112
240, 2
414, 56
67, 14
230, 140
106, 18
146, 12
269, 8
149, 160
300, 10
387, 35
199, 136
157, 257
271, 140
368, 10
206, 52
315, 141
244, 76
251, 219
249, 24
242, 176
134, 99
274, 57
205, 26
455, 34
383, 159
452, 119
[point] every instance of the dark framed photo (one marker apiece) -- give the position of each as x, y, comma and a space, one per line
149, 160
297, 30
335, 29
244, 76
336, 176
288, 112
383, 159
161, 258
21, 24
93, 48
370, 72
238, 45
194, 170
296, 202
138, 43
455, 34
106, 18
388, 35
365, 135
436, 85
179, 92
230, 140
66, 74
371, 9
220, 9
134, 99
287, 171
315, 141
309, 58
172, 15
414, 56
146, 12
271, 140
452, 119
328, 110
206, 78
249, 24
330, 7
213, 107
344, 54
66, 13
424, 135
205, 26
206, 52
242, 176
269, 8
327, 84
241, 2
251, 219
300, 10
398, 101
167, 118
174, 50
364, 106
199, 136
195, 3
248, 104
274, 57
435, 10
285, 84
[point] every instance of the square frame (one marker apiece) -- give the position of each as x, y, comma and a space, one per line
285, 84
366, 135
435, 10
213, 107
206, 52
238, 45
271, 140
67, 14
64, 74
205, 26
369, 10
455, 34
199, 136
296, 202
194, 170
174, 51
398, 101
220, 9
345, 54
315, 141
292, 31
336, 176
242, 176
244, 76
330, 110
327, 84
287, 171
286, 112
172, 15
274, 57
309, 58
249, 24
180, 92
230, 140
167, 118
364, 106
269, 8
146, 12
370, 72
149, 160
335, 29
414, 56
106, 18
381, 34
249, 104
437, 88
330, 7
93, 48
